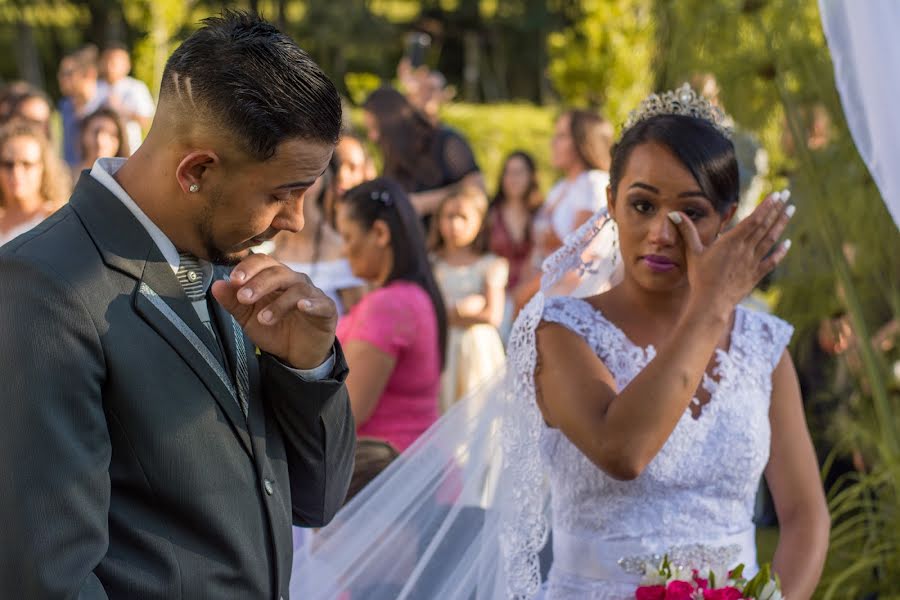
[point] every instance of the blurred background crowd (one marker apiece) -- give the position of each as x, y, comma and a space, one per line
477, 137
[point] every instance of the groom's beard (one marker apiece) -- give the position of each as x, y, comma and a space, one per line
214, 252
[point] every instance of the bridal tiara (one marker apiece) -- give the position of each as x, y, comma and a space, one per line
683, 101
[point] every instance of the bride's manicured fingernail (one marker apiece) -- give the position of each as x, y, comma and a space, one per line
790, 210
786, 245
675, 218
785, 195
776, 196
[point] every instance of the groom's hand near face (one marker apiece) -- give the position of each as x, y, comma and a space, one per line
280, 310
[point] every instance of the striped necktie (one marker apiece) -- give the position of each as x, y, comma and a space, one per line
190, 276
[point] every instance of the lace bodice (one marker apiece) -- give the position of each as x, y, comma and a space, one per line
703, 482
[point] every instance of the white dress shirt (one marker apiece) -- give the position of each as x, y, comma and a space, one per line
103, 171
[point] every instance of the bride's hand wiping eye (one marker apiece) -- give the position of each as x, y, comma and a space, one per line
728, 269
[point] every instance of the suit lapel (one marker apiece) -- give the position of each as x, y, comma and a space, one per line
239, 350
257, 416
196, 354
127, 247
159, 277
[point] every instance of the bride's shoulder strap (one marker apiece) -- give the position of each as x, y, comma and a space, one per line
765, 336
583, 319
574, 313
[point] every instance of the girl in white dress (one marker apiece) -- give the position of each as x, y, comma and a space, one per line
473, 283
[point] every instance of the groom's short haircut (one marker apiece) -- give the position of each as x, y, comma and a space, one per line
239, 74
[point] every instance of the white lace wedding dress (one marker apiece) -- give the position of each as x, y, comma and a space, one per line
699, 489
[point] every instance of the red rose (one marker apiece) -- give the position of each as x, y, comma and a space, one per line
650, 592
679, 590
726, 593
701, 583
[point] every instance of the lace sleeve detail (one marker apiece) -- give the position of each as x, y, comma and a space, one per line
573, 314
779, 333
623, 359
768, 336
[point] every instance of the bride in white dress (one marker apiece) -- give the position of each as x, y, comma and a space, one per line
652, 409
663, 401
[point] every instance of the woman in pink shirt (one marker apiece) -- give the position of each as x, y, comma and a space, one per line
394, 338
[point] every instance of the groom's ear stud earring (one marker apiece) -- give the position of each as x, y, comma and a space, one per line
194, 188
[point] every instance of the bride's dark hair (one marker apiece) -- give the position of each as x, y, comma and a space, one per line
700, 147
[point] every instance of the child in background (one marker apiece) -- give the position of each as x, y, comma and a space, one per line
473, 283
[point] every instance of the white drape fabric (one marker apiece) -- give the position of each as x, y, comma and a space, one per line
865, 49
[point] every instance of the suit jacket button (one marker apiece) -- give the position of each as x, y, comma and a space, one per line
267, 485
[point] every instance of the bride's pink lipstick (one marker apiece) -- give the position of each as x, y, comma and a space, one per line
657, 263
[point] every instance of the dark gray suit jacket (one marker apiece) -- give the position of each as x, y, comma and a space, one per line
127, 469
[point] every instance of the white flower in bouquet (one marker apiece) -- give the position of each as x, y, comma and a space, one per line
719, 577
680, 573
770, 592
653, 577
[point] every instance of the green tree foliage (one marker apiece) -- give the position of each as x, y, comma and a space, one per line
605, 59
156, 26
776, 80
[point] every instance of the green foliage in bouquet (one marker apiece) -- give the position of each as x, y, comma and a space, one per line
760, 586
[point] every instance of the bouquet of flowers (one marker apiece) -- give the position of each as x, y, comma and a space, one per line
672, 580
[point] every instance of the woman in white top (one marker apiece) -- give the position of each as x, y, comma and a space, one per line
318, 250
32, 181
580, 150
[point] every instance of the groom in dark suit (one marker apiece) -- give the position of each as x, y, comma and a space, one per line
171, 402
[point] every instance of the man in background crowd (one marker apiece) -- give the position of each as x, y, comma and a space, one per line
83, 93
128, 96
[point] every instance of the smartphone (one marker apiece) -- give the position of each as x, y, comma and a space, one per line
417, 43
